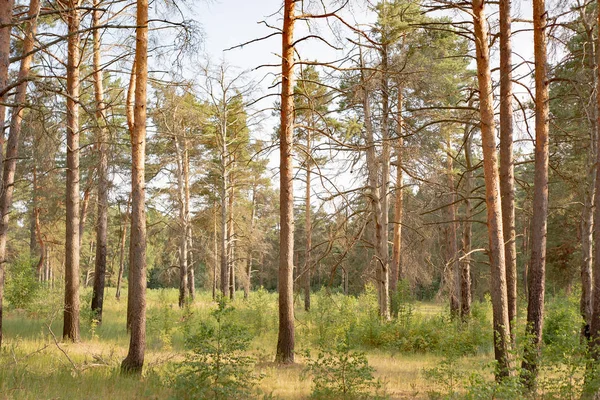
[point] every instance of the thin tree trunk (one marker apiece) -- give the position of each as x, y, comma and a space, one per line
465, 275
216, 255
595, 325
248, 286
502, 340
183, 240
186, 176
85, 203
72, 244
452, 250
308, 223
134, 361
537, 275
103, 184
587, 212
507, 173
231, 243
224, 210
286, 334
6, 11
396, 272
122, 250
381, 256
385, 184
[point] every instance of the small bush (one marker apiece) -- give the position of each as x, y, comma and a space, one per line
343, 374
217, 368
22, 286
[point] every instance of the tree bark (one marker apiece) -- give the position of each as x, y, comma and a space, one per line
385, 184
396, 272
231, 243
452, 250
6, 11
103, 184
380, 228
224, 205
465, 274
507, 173
190, 261
248, 285
134, 361
595, 325
124, 219
502, 341
308, 222
216, 255
72, 244
537, 275
286, 334
183, 240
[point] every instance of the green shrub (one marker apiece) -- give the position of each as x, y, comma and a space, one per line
343, 374
217, 368
22, 286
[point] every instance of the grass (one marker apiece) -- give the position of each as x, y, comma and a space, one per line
33, 366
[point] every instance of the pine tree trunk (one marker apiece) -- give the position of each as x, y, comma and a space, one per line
216, 255
507, 173
248, 286
537, 274
396, 272
122, 251
190, 261
308, 223
452, 249
465, 274
595, 325
103, 184
381, 256
502, 341
183, 240
72, 243
286, 334
385, 184
134, 361
224, 210
231, 243
6, 11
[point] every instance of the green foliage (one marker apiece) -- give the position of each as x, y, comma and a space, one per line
22, 287
162, 321
343, 374
260, 314
217, 368
331, 317
446, 379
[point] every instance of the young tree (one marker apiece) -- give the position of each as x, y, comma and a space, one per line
134, 361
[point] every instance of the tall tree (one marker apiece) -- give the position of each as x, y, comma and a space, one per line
507, 173
72, 244
6, 24
492, 190
286, 335
537, 269
134, 361
12, 148
103, 183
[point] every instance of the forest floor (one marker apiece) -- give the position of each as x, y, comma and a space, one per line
36, 364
